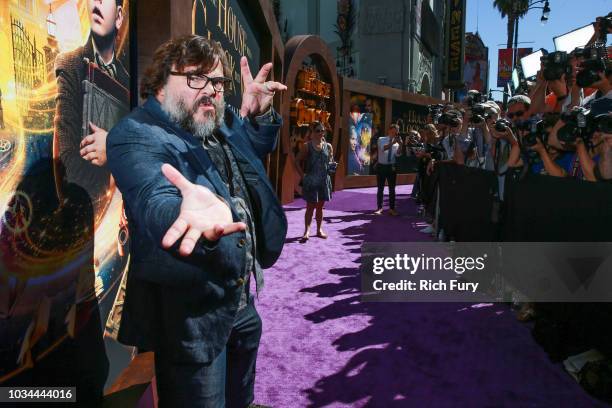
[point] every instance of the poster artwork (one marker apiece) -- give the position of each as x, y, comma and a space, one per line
64, 80
364, 126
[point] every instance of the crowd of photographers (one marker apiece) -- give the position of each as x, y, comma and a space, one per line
559, 125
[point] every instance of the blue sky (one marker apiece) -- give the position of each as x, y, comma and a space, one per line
565, 16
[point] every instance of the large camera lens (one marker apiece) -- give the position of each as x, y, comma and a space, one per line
478, 113
590, 72
579, 122
555, 65
449, 119
568, 134
501, 125
537, 131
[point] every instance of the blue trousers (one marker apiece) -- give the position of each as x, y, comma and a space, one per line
227, 381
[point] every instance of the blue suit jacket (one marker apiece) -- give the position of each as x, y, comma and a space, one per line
187, 305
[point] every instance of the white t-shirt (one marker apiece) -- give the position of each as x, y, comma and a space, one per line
593, 97
383, 155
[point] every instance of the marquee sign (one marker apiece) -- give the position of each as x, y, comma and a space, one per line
455, 23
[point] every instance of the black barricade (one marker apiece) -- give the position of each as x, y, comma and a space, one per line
554, 209
428, 192
535, 209
467, 197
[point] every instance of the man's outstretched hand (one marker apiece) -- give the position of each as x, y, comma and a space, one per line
202, 214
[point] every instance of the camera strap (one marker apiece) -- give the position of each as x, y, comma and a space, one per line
576, 170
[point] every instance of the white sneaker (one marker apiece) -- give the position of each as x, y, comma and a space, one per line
427, 230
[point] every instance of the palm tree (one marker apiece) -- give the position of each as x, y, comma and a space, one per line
513, 9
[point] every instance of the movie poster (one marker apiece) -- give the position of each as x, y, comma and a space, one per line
364, 127
63, 237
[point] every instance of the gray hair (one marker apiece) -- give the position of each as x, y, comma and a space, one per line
519, 99
491, 107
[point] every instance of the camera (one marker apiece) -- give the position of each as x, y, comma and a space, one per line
478, 113
603, 123
473, 98
449, 119
435, 108
537, 131
555, 65
588, 52
594, 62
435, 111
437, 152
502, 124
579, 123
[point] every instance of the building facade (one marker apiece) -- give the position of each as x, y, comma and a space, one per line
397, 43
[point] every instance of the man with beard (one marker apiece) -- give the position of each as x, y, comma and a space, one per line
203, 218
79, 159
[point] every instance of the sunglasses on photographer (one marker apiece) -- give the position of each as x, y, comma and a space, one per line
513, 114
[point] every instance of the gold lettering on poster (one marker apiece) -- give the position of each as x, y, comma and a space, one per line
230, 26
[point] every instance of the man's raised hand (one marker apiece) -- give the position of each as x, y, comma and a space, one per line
202, 214
258, 93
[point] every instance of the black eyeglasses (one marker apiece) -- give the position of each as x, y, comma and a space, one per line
200, 81
517, 114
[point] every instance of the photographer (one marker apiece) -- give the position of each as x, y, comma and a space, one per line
603, 171
557, 93
450, 126
518, 110
505, 150
425, 148
552, 161
473, 149
594, 72
585, 131
576, 133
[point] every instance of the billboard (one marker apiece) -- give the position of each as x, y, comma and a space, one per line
476, 70
64, 80
504, 64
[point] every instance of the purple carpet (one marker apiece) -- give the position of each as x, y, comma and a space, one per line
322, 347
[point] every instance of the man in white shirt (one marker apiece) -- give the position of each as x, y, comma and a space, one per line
388, 149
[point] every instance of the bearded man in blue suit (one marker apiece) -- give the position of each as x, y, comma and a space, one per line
203, 219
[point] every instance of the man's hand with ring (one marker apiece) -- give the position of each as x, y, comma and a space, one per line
202, 214
258, 93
